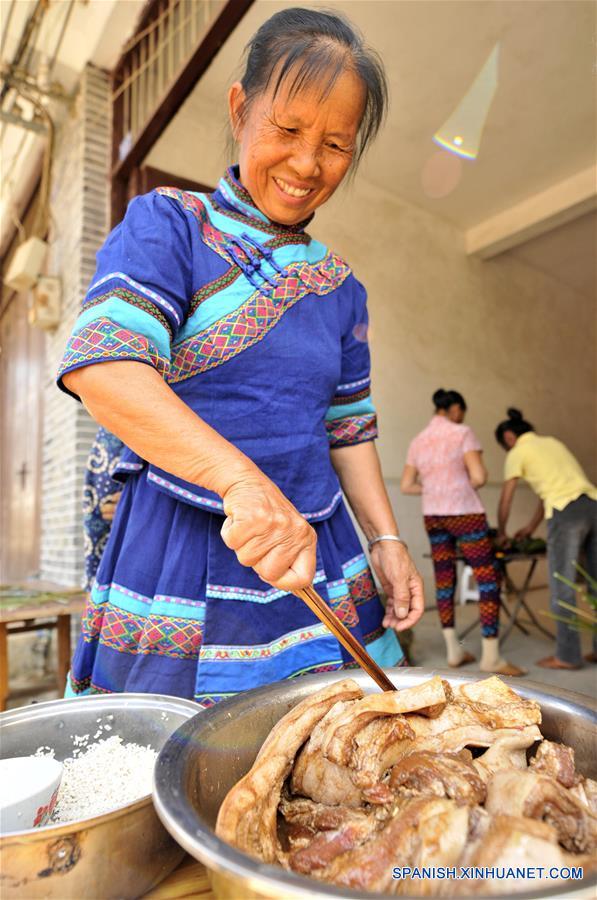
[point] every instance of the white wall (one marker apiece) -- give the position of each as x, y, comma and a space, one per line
500, 332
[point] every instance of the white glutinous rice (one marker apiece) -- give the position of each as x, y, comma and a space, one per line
102, 776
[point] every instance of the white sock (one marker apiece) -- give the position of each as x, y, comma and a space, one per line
491, 660
455, 651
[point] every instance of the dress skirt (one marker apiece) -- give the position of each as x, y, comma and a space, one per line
173, 612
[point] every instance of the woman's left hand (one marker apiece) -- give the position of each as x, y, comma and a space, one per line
401, 583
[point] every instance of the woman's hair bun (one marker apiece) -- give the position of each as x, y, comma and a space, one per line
514, 413
445, 399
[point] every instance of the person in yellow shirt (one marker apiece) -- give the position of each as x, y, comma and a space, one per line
568, 500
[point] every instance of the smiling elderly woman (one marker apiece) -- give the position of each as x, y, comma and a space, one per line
234, 367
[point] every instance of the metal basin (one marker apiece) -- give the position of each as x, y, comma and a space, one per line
120, 854
207, 755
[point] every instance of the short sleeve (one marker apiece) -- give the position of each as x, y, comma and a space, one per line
411, 456
470, 440
513, 467
140, 293
351, 418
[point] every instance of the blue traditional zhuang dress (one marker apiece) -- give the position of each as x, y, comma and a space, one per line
99, 485
261, 330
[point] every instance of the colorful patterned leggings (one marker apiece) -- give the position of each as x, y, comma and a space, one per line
469, 536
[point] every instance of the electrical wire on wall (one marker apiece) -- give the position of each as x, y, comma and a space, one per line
36, 89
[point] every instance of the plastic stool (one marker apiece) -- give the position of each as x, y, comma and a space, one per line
467, 588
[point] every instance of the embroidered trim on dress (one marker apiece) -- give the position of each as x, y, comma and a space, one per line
134, 300
217, 504
212, 287
352, 430
231, 592
127, 632
362, 587
297, 236
183, 492
345, 399
254, 318
223, 653
140, 287
103, 339
209, 233
353, 384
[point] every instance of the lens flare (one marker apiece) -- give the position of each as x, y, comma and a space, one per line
461, 133
361, 332
441, 174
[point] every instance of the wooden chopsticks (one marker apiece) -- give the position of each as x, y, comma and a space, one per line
317, 605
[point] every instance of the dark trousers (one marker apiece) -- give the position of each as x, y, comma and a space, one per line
571, 536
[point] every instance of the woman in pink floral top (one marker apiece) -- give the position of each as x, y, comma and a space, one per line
444, 464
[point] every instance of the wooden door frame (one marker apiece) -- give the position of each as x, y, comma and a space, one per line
123, 169
145, 178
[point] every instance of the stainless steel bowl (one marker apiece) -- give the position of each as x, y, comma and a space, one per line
121, 854
207, 755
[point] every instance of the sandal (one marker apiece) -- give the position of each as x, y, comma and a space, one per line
509, 668
467, 658
552, 662
506, 668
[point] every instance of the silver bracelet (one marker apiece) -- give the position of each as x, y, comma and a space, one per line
385, 537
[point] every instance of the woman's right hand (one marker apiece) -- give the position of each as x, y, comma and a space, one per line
267, 533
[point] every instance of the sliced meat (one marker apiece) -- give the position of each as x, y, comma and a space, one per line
512, 841
375, 749
318, 816
369, 867
586, 793
316, 777
380, 795
338, 741
458, 727
508, 752
248, 816
443, 832
539, 797
371, 754
440, 774
556, 761
352, 831
497, 705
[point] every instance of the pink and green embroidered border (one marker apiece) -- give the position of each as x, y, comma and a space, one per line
128, 632
104, 340
352, 430
255, 317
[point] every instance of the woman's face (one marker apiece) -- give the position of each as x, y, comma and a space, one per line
295, 151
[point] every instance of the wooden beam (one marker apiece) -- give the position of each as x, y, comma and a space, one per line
219, 31
150, 178
11, 119
558, 204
